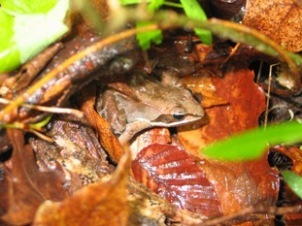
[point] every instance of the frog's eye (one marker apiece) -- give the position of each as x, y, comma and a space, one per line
178, 117
178, 113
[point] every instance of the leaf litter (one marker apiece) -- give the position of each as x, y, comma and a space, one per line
84, 176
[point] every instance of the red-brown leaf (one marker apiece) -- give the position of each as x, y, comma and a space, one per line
175, 175
238, 185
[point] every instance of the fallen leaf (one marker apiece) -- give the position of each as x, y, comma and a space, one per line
24, 187
101, 203
278, 19
107, 139
76, 149
174, 175
246, 103
295, 154
238, 184
203, 85
148, 137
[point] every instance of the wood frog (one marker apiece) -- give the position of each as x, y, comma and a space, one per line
147, 103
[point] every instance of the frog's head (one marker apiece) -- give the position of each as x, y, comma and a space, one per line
169, 106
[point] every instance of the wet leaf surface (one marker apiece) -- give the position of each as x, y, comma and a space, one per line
174, 175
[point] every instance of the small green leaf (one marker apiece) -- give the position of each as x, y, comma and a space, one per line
130, 2
155, 4
294, 181
28, 6
23, 34
194, 11
39, 125
252, 144
146, 38
9, 53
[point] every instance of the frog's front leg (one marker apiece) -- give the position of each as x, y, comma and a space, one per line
131, 130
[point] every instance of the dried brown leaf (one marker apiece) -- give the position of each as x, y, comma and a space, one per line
281, 20
101, 203
203, 85
246, 101
108, 140
295, 154
238, 185
24, 187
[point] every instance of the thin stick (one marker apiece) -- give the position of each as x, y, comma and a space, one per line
55, 110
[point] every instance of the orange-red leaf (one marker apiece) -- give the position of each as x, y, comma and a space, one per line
246, 101
238, 185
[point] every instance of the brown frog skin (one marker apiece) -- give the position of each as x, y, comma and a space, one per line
151, 104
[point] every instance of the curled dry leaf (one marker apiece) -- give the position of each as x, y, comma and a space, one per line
280, 20
101, 203
295, 154
174, 175
86, 100
29, 70
76, 149
24, 187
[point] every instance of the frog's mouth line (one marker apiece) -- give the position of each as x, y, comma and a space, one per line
171, 121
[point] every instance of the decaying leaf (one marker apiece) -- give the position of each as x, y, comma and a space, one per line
281, 20
295, 154
24, 187
203, 85
101, 203
76, 149
238, 185
174, 175
246, 102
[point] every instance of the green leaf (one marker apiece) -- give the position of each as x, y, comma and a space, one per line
155, 4
194, 11
28, 6
130, 2
294, 181
152, 6
39, 125
9, 57
252, 144
24, 34
146, 38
